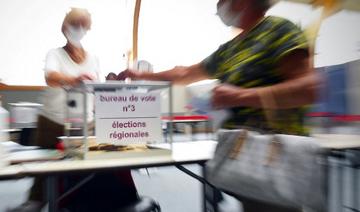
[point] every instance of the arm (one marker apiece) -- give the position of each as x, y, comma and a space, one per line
298, 88
177, 75
54, 77
58, 79
301, 82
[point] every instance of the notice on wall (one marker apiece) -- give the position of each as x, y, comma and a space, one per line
127, 117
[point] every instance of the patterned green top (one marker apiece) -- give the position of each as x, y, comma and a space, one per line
251, 61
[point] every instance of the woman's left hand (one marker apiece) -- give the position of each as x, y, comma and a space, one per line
86, 76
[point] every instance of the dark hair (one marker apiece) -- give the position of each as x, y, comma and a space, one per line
263, 4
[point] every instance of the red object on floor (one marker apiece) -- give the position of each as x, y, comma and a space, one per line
60, 146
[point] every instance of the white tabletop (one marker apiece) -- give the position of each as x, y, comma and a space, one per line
10, 171
183, 153
338, 141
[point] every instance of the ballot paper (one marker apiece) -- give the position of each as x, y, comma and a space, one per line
200, 102
202, 105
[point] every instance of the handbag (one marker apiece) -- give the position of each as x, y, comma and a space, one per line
281, 169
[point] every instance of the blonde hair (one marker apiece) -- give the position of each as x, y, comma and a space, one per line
77, 16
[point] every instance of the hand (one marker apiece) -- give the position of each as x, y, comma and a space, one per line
226, 96
73, 81
128, 74
111, 76
86, 76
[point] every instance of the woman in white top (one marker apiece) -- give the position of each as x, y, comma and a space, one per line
69, 66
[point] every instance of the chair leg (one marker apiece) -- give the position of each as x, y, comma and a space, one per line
156, 207
144, 204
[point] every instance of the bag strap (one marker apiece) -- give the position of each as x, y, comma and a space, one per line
267, 101
234, 151
238, 144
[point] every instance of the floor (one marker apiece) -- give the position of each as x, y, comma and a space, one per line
174, 190
178, 192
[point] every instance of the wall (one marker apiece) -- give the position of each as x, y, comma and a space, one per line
339, 36
19, 96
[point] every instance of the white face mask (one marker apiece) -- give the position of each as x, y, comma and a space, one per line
228, 17
75, 34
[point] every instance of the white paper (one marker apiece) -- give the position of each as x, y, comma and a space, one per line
128, 117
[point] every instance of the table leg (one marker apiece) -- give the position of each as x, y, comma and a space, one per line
209, 195
170, 127
357, 188
335, 180
167, 132
51, 186
204, 188
209, 129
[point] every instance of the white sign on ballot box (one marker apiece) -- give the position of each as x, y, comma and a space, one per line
127, 117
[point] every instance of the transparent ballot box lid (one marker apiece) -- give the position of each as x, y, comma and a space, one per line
116, 119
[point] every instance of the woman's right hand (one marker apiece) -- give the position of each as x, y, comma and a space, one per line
123, 75
57, 79
128, 73
74, 81
111, 76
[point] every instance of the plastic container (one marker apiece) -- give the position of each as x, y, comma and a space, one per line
24, 114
